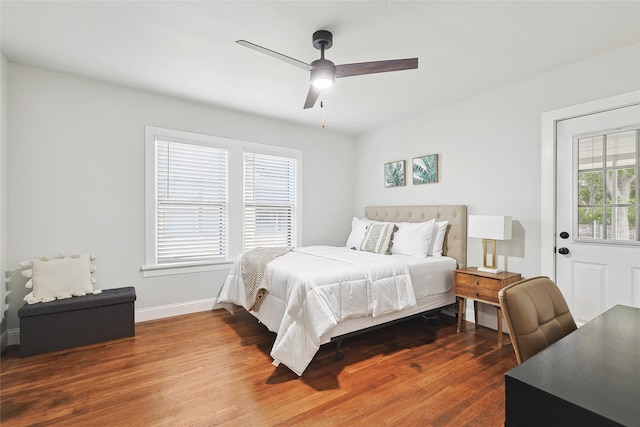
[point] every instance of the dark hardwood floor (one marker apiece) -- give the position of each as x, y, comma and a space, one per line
213, 368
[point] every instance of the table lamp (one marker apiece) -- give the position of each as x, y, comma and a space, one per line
489, 228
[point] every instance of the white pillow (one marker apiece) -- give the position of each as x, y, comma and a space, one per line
437, 241
358, 228
58, 278
378, 238
413, 238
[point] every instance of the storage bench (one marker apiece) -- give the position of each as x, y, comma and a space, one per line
76, 321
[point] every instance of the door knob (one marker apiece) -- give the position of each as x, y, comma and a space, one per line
563, 251
564, 235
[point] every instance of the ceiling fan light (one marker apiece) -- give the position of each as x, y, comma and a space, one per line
322, 78
322, 83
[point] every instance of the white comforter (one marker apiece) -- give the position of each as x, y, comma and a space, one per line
321, 286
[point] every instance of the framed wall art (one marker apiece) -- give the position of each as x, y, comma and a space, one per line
394, 174
425, 169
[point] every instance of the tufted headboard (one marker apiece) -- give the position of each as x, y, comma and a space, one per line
455, 242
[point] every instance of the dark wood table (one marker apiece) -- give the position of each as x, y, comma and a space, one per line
591, 377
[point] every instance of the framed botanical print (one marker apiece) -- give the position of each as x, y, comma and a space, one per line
394, 174
425, 169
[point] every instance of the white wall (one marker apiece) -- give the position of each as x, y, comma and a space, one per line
489, 151
76, 167
3, 198
76, 178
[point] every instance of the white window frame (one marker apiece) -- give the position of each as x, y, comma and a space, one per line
235, 196
610, 205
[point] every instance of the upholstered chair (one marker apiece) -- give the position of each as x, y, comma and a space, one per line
537, 315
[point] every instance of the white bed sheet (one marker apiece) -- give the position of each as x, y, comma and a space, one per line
315, 289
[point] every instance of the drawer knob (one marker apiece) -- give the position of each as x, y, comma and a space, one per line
477, 294
477, 282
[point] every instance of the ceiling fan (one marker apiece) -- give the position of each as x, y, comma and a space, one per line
325, 72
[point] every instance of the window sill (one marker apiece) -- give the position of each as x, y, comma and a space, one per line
168, 270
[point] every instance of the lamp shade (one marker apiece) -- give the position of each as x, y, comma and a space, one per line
494, 227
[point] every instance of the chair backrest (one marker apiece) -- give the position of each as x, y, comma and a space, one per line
537, 315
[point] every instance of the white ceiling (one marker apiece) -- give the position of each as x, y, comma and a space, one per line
187, 49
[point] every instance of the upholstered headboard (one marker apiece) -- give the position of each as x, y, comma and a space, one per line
455, 242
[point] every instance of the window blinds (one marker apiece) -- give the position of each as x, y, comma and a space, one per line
269, 201
191, 203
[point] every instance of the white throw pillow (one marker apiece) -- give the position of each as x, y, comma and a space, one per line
58, 278
413, 238
437, 241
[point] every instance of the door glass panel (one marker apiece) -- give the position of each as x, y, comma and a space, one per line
590, 223
590, 190
621, 185
621, 224
621, 149
590, 151
606, 186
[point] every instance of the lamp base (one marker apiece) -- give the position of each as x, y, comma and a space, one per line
489, 248
490, 270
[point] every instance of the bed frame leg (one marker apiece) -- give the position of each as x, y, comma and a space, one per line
339, 354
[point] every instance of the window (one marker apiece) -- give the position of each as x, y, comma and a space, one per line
191, 202
208, 199
607, 185
270, 199
186, 199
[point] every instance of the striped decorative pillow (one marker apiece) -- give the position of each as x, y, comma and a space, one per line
379, 238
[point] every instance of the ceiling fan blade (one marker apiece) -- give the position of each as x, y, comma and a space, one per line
347, 70
312, 97
275, 54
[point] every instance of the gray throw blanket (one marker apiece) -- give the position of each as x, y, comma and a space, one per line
254, 273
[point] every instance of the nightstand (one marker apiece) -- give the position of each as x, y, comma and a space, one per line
481, 287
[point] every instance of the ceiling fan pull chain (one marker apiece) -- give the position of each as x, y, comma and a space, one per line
322, 109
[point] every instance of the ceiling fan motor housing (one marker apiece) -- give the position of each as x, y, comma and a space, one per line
323, 70
322, 38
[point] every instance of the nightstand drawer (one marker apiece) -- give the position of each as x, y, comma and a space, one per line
478, 281
476, 292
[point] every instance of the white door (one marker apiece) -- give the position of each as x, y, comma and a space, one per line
597, 215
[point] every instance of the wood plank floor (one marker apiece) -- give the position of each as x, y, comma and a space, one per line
213, 368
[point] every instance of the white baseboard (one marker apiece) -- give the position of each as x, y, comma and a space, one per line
4, 340
13, 336
170, 310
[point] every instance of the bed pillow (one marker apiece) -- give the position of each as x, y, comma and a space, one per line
379, 238
58, 278
358, 229
413, 238
437, 240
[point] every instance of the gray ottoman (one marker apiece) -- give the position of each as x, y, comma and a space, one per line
77, 321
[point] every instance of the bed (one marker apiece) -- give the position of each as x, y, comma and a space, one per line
321, 294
